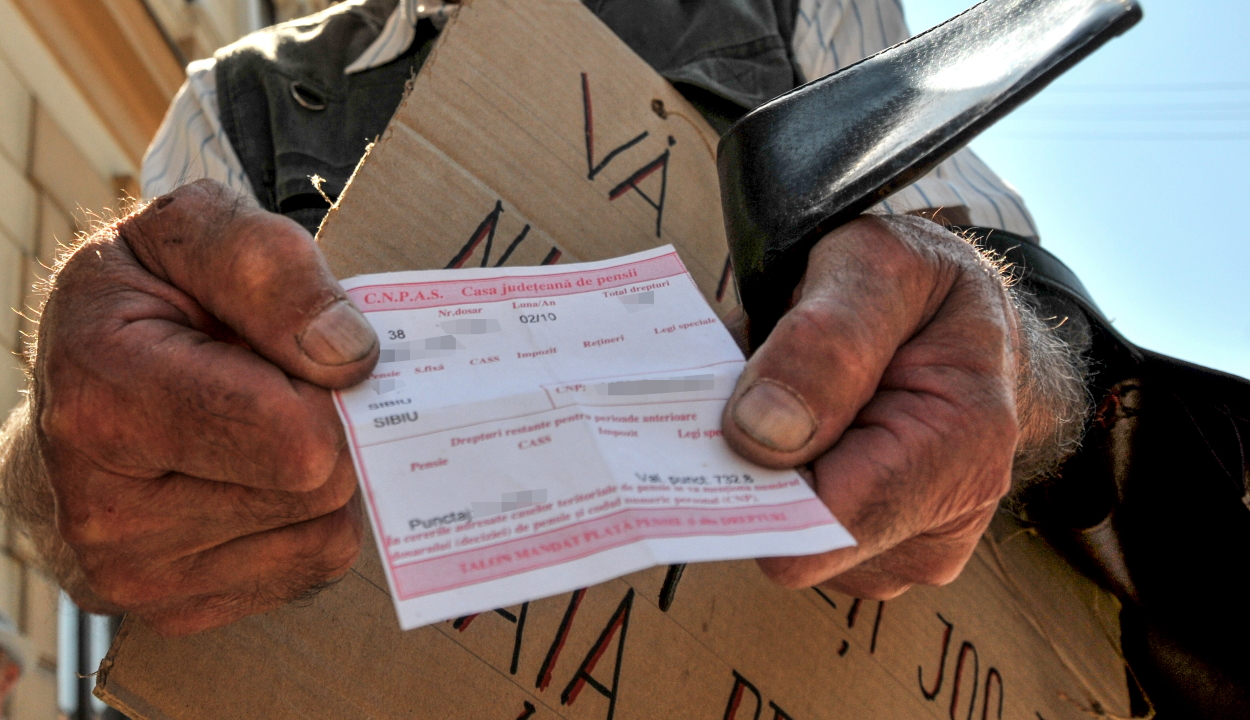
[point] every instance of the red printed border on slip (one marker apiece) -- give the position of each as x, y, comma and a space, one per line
441, 293
590, 537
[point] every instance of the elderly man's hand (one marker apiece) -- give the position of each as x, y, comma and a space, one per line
200, 471
894, 375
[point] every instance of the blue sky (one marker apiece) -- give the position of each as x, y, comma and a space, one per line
1136, 166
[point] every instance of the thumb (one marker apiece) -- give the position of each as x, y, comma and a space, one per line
261, 275
865, 292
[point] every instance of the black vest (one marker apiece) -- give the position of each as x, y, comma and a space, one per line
290, 112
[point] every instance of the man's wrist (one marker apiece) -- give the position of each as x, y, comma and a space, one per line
1052, 400
1053, 339
1050, 337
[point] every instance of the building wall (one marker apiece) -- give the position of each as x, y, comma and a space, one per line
46, 189
66, 156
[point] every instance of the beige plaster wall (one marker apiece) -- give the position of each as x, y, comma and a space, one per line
47, 190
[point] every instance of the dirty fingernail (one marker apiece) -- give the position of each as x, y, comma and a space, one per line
774, 417
339, 335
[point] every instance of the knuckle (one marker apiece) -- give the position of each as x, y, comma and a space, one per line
80, 271
937, 560
81, 418
77, 418
819, 335
281, 508
60, 417
83, 262
209, 186
813, 335
64, 405
316, 571
158, 223
998, 489
339, 491
202, 197
278, 442
273, 509
308, 458
308, 469
340, 550
979, 495
263, 260
89, 528
344, 551
329, 550
79, 535
894, 246
810, 321
341, 559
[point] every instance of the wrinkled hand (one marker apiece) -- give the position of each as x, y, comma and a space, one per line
894, 375
200, 471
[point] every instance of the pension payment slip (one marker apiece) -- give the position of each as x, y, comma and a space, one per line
533, 430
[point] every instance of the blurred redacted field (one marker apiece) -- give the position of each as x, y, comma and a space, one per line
505, 152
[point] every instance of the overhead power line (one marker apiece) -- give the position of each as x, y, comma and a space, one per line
1127, 136
1217, 86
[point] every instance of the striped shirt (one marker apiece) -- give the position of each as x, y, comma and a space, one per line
828, 35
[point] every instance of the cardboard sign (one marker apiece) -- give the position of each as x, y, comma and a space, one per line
519, 146
533, 135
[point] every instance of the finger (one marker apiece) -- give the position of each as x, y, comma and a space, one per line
867, 583
861, 578
935, 558
920, 472
150, 397
115, 525
865, 293
259, 273
938, 556
250, 575
928, 457
129, 375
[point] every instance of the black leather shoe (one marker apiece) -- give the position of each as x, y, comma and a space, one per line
818, 156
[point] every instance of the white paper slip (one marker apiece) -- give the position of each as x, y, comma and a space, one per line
530, 431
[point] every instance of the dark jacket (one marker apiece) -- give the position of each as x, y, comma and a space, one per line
290, 113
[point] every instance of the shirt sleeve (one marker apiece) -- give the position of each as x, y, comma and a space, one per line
190, 144
831, 34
